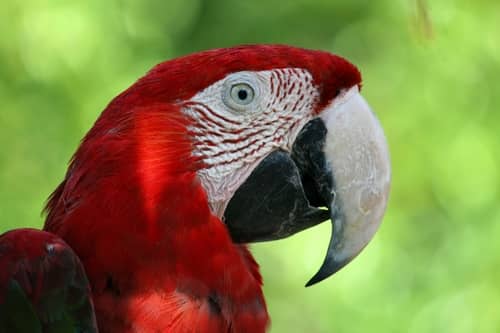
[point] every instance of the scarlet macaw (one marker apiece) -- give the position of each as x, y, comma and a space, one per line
208, 152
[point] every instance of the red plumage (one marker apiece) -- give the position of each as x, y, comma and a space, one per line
133, 210
43, 286
138, 218
24, 256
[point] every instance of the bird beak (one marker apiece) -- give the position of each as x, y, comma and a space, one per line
338, 169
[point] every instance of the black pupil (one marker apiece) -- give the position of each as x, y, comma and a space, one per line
242, 94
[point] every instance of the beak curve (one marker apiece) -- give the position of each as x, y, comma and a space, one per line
339, 161
356, 150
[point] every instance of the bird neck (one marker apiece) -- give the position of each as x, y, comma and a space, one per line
138, 218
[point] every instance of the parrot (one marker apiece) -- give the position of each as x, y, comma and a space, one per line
203, 155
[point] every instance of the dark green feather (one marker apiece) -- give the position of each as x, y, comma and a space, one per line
17, 314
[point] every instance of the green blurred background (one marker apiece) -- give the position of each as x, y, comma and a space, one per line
431, 71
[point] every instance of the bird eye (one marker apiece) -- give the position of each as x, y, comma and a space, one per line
242, 94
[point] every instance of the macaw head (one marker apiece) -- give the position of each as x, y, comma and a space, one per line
267, 140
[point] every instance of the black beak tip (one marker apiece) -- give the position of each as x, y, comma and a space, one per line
330, 266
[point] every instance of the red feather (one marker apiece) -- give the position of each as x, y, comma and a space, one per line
39, 271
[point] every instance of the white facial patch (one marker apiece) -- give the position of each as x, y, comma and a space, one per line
240, 119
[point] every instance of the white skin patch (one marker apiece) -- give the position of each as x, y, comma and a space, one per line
241, 119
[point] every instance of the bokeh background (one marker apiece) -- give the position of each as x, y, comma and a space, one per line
431, 71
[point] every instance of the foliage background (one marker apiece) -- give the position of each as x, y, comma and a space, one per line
430, 71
